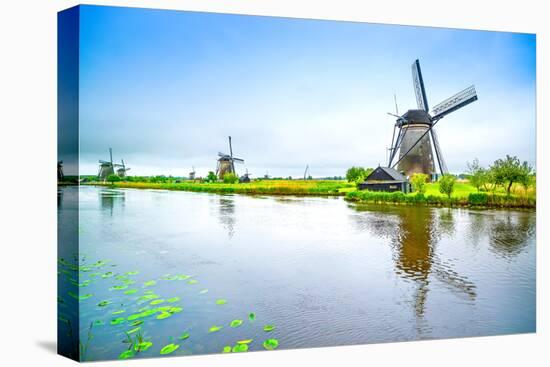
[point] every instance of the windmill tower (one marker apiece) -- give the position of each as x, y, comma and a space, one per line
416, 139
106, 168
60, 175
192, 174
226, 162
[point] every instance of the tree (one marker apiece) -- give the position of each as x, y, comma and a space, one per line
510, 170
357, 174
418, 181
447, 184
211, 177
230, 178
113, 178
478, 175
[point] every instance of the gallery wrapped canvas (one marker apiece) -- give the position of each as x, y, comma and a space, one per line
237, 183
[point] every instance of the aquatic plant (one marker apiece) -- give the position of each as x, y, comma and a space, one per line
236, 323
215, 328
221, 301
170, 348
271, 344
269, 328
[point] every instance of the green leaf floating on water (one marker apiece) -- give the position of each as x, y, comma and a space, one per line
252, 316
149, 291
246, 341
173, 299
192, 281
134, 330
175, 309
104, 303
236, 323
269, 328
130, 291
214, 329
184, 336
107, 274
183, 277
164, 315
150, 283
118, 287
143, 346
156, 302
98, 323
118, 312
118, 321
226, 349
221, 301
136, 323
170, 348
127, 354
80, 298
169, 277
141, 315
271, 344
239, 348
148, 297
132, 272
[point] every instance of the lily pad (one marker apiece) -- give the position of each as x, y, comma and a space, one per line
127, 354
169, 277
170, 348
239, 348
130, 291
148, 297
108, 274
118, 312
252, 316
236, 323
80, 298
143, 346
221, 301
132, 272
175, 309
269, 328
118, 287
149, 283
184, 336
164, 315
183, 277
173, 299
156, 302
214, 329
226, 349
246, 341
136, 323
134, 330
192, 281
104, 303
271, 344
118, 321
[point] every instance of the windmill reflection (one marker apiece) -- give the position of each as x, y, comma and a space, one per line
109, 199
413, 233
227, 214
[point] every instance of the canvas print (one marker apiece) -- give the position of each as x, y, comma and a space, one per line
238, 183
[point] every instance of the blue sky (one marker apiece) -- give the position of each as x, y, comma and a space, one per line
166, 88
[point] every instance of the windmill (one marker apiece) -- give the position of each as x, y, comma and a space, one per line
60, 175
192, 174
106, 168
416, 133
245, 178
226, 162
305, 172
121, 171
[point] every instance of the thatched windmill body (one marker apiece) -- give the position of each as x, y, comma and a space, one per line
226, 162
107, 168
60, 174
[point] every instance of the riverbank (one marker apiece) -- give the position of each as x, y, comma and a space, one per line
260, 187
473, 199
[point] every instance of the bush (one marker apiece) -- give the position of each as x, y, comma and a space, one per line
211, 177
447, 185
479, 198
418, 181
113, 178
230, 178
357, 174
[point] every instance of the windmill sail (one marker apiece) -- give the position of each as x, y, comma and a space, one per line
439, 155
455, 102
418, 84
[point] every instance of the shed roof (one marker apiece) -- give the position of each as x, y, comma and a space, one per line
393, 173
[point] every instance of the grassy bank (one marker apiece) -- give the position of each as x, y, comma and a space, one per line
260, 187
460, 198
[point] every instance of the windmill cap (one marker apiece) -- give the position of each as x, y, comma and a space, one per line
417, 116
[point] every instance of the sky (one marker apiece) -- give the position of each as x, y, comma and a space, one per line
165, 89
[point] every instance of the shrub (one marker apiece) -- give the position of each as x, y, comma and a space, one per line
113, 178
211, 177
447, 185
230, 178
418, 181
478, 198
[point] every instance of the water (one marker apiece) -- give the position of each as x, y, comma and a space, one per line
323, 271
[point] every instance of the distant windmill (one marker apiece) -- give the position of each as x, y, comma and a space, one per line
266, 176
245, 178
226, 162
192, 174
60, 175
122, 170
416, 130
305, 172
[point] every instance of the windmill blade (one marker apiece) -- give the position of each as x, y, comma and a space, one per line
418, 85
455, 102
238, 160
397, 145
220, 154
442, 166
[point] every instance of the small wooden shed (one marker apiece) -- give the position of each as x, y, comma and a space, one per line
386, 179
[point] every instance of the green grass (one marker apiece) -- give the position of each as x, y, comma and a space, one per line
261, 187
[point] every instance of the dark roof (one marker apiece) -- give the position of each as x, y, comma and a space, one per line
418, 116
392, 173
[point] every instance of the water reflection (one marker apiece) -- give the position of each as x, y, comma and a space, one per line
111, 199
508, 233
413, 234
227, 214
